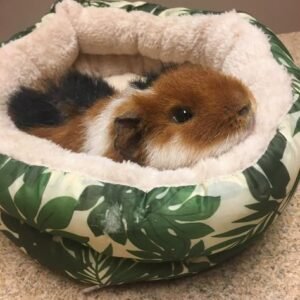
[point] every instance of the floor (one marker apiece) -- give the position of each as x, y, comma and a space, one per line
270, 269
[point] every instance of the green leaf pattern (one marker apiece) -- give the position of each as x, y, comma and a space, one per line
106, 234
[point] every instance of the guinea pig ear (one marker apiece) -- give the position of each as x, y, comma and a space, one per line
128, 136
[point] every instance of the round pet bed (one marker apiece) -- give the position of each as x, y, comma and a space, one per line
106, 223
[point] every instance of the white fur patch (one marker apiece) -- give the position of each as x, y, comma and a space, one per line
97, 139
175, 154
121, 82
172, 155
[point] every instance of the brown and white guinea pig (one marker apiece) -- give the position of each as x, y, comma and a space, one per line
166, 121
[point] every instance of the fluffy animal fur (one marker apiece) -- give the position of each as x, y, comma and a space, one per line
225, 42
182, 115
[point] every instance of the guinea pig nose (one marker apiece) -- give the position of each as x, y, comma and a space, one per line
244, 110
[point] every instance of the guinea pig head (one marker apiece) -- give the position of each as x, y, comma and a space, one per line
188, 113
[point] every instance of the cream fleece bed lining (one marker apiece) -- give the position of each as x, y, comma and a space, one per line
225, 42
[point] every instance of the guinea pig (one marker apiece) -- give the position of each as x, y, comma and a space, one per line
166, 121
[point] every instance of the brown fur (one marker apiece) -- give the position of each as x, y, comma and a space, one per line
71, 135
213, 98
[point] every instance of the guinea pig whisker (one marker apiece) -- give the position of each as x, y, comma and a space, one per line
217, 134
218, 130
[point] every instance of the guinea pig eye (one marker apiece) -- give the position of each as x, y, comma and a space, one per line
181, 114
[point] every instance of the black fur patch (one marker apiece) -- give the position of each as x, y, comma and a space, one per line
146, 82
72, 95
29, 108
83, 90
149, 78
